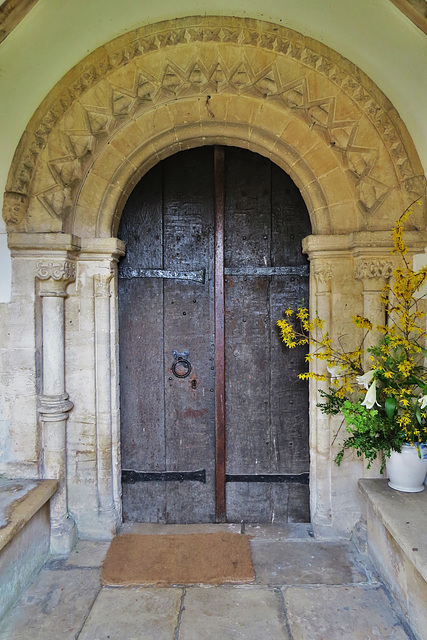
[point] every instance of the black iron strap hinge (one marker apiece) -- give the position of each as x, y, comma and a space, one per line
301, 271
128, 273
130, 476
293, 478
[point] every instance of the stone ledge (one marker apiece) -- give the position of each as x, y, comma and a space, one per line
404, 515
25, 507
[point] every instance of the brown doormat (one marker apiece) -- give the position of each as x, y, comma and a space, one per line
196, 558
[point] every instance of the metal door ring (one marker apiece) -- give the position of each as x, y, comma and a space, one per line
181, 363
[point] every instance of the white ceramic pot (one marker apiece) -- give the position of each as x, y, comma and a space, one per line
406, 470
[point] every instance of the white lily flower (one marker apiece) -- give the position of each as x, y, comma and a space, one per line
366, 379
336, 371
423, 401
371, 396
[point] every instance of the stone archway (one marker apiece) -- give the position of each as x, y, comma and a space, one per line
131, 103
151, 91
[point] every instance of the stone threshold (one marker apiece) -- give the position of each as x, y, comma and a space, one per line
286, 531
21, 509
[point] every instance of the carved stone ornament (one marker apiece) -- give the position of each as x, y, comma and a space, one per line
373, 269
322, 272
140, 72
15, 206
57, 201
102, 285
54, 408
65, 271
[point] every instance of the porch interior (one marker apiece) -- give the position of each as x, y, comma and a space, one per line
102, 100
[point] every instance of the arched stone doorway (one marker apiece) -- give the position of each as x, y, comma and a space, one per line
153, 92
214, 421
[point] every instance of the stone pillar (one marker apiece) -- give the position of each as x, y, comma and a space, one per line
374, 274
54, 405
103, 395
95, 486
320, 441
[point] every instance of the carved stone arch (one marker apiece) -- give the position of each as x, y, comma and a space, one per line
113, 184
202, 80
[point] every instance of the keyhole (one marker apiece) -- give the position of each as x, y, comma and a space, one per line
193, 384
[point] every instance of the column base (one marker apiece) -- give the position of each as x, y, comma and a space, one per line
322, 525
108, 522
99, 525
63, 537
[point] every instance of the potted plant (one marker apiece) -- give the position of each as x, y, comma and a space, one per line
384, 409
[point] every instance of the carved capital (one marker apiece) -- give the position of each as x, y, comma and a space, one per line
54, 408
322, 272
102, 285
14, 207
373, 268
55, 276
57, 271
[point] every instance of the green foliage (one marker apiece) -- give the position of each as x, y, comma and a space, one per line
371, 432
333, 403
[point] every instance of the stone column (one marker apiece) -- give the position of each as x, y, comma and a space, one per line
320, 445
103, 395
374, 274
100, 478
54, 405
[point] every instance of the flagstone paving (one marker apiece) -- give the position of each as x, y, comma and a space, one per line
305, 589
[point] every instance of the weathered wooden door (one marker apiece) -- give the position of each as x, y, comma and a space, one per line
214, 420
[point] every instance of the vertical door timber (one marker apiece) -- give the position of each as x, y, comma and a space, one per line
229, 441
220, 491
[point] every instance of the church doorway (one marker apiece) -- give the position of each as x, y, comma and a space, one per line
214, 422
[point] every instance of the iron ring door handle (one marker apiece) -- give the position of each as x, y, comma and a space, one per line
181, 362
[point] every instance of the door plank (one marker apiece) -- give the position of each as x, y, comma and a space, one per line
141, 350
289, 411
248, 233
219, 173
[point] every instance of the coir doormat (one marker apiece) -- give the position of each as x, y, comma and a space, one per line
161, 560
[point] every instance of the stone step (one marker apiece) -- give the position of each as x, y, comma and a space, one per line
397, 544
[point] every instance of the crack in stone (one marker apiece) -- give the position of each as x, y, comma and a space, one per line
181, 610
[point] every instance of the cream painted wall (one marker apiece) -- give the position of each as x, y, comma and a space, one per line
55, 35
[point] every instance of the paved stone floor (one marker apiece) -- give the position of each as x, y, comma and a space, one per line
305, 589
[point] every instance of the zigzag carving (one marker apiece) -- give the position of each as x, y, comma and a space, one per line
275, 42
279, 41
68, 164
175, 81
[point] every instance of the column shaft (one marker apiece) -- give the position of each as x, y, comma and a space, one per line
320, 439
54, 405
103, 391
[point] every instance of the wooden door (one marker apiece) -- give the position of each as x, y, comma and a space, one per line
213, 259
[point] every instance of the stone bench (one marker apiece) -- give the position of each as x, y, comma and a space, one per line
397, 543
24, 534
